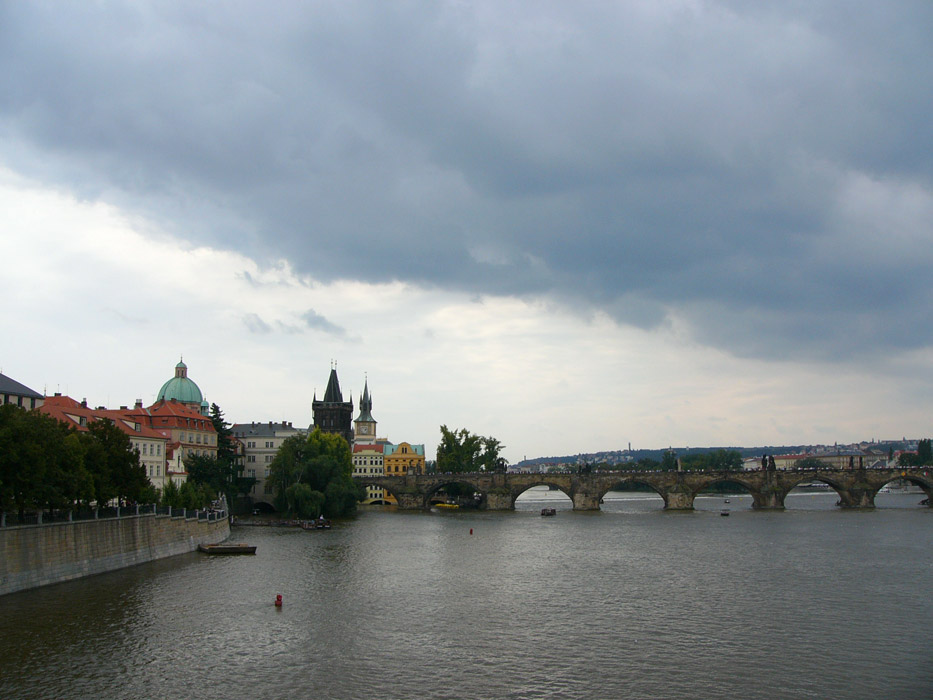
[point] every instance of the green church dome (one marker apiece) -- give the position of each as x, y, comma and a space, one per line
181, 388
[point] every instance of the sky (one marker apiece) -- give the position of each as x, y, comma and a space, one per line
569, 226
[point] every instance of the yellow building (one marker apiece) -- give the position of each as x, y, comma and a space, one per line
403, 458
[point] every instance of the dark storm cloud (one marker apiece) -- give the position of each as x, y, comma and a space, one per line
760, 170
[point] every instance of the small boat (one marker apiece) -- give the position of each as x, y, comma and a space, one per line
227, 548
728, 501
549, 511
724, 513
449, 506
319, 524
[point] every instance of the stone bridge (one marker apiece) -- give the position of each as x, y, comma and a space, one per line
856, 488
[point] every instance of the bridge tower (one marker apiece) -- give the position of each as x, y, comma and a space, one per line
333, 414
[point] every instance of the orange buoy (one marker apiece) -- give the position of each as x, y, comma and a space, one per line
278, 601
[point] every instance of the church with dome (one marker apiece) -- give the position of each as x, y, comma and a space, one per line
183, 390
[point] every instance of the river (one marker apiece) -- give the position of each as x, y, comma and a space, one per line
630, 602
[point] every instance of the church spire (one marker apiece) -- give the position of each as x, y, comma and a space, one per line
364, 427
333, 394
366, 404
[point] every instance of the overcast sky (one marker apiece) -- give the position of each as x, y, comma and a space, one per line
572, 226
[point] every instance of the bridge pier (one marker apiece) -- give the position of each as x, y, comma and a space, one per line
585, 501
857, 498
768, 499
499, 501
410, 501
678, 500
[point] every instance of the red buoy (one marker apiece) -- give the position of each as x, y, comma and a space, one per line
471, 530
278, 601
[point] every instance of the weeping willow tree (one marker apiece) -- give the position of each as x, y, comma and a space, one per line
311, 475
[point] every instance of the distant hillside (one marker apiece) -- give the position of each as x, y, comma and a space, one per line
623, 456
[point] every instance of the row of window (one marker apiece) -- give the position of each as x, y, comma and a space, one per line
373, 470
196, 437
149, 449
18, 400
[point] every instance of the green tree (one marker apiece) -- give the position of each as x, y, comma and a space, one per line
489, 460
458, 451
45, 463
716, 460
170, 495
669, 461
924, 452
647, 464
304, 502
210, 472
462, 451
113, 463
22, 459
226, 449
220, 474
312, 475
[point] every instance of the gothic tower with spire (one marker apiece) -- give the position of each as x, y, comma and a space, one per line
364, 427
333, 414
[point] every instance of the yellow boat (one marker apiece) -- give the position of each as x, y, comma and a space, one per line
451, 506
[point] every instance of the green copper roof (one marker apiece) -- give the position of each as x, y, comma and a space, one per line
183, 390
180, 387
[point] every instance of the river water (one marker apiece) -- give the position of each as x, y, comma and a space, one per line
631, 602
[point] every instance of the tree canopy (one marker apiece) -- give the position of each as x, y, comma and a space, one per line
312, 475
45, 463
923, 457
220, 474
717, 460
462, 451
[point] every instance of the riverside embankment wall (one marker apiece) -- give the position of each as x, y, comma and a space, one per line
37, 555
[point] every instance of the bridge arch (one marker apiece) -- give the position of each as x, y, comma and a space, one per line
925, 484
798, 479
463, 492
550, 483
747, 486
388, 488
621, 483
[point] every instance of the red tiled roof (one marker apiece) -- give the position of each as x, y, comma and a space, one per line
70, 411
169, 414
370, 448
